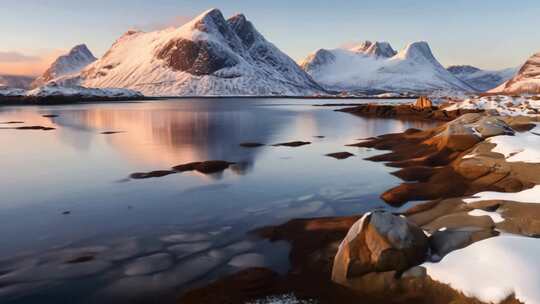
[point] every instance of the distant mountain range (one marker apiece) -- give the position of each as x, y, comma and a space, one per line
214, 56
481, 80
15, 81
377, 66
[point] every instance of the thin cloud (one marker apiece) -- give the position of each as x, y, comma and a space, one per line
15, 63
16, 57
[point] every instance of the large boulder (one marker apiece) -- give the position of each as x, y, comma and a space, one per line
379, 242
490, 126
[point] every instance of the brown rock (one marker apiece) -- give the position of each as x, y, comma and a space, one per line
251, 145
459, 220
151, 174
423, 103
340, 155
293, 144
379, 242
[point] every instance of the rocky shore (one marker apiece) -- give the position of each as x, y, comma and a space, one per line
467, 235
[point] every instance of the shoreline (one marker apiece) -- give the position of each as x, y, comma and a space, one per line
436, 167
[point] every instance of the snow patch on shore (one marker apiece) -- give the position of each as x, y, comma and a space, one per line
496, 217
526, 196
522, 147
493, 269
504, 105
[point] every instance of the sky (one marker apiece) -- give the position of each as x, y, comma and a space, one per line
489, 34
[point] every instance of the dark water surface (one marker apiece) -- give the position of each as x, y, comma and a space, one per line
142, 239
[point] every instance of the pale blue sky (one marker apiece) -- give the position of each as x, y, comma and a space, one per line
488, 34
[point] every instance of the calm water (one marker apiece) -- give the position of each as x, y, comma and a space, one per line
130, 239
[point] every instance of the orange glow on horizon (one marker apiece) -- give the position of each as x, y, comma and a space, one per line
30, 67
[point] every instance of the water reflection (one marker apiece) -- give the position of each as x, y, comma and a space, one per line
159, 235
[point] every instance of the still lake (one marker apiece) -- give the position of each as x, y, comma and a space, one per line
75, 228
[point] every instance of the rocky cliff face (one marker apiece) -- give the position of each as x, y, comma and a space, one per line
526, 81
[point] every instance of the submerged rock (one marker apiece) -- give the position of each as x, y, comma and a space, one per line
248, 260
149, 264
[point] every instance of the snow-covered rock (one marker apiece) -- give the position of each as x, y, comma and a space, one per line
379, 67
15, 81
526, 81
493, 269
481, 80
209, 56
502, 104
73, 62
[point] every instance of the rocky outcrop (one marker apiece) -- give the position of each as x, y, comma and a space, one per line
378, 242
423, 103
421, 110
436, 160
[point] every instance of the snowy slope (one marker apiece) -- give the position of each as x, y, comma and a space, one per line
481, 80
413, 69
209, 56
15, 81
54, 90
74, 61
76, 91
526, 81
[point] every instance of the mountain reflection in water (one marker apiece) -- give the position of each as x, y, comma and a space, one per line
192, 224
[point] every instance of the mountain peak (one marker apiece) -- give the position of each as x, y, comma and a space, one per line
244, 29
80, 49
378, 49
208, 20
417, 50
75, 60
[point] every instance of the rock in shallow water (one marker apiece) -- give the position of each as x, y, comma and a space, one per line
186, 237
340, 155
292, 144
183, 250
149, 264
248, 260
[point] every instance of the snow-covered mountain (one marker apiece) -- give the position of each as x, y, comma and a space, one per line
15, 81
481, 80
526, 81
78, 58
209, 56
378, 67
